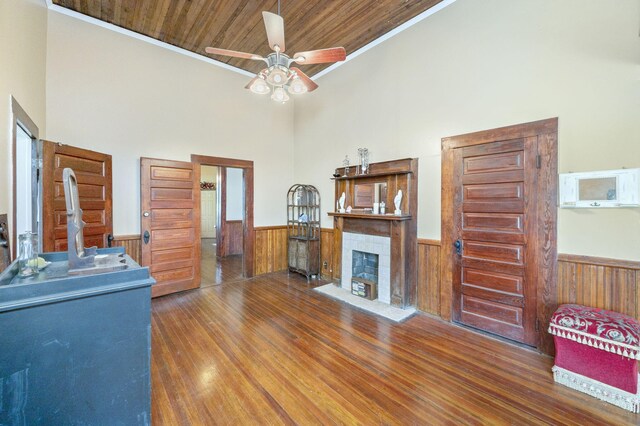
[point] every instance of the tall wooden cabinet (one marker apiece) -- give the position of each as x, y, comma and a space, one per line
303, 230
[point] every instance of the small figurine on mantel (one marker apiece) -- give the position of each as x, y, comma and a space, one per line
397, 200
341, 201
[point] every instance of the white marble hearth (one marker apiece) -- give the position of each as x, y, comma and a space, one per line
369, 244
372, 306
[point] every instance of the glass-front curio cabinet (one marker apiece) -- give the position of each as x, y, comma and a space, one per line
303, 230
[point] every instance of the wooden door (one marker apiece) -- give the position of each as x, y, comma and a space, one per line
170, 224
494, 219
499, 198
93, 172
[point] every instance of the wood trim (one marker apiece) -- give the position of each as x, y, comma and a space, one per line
371, 216
547, 224
446, 256
17, 115
599, 261
523, 130
221, 212
379, 169
126, 237
234, 221
429, 242
221, 161
248, 232
266, 228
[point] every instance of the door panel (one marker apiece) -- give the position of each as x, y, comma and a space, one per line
93, 172
170, 195
493, 221
493, 162
493, 252
491, 282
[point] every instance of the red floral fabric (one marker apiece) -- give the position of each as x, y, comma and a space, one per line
599, 328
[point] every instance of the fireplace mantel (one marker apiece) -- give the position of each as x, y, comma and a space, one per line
401, 229
371, 216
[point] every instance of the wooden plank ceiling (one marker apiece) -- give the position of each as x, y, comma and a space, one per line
237, 25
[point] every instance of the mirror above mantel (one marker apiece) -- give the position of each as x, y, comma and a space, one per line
366, 194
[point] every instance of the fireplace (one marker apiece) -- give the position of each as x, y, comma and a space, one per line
366, 261
391, 236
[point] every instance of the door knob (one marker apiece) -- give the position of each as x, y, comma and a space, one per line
458, 246
110, 240
146, 237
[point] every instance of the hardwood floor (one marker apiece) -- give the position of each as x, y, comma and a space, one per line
271, 351
217, 270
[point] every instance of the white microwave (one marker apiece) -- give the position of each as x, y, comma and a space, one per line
607, 188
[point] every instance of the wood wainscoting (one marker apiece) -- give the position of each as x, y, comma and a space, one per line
132, 245
232, 243
599, 282
428, 276
271, 249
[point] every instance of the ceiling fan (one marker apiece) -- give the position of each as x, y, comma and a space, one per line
279, 74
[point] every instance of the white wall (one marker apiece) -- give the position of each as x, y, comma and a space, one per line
115, 94
23, 30
235, 194
478, 65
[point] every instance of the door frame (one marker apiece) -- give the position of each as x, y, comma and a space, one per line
248, 241
18, 118
546, 194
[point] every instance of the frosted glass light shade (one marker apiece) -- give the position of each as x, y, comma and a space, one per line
297, 87
277, 77
279, 95
260, 87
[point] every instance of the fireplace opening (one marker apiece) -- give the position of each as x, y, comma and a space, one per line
364, 274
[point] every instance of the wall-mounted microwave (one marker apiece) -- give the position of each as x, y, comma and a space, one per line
607, 188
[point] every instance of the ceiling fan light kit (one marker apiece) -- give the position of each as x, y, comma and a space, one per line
279, 74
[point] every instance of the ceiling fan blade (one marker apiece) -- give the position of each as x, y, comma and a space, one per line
321, 56
274, 24
311, 85
225, 52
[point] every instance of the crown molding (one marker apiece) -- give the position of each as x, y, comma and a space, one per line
397, 30
147, 39
72, 13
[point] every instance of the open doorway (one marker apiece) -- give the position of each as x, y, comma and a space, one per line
221, 217
226, 217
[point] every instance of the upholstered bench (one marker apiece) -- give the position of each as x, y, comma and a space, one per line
596, 353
